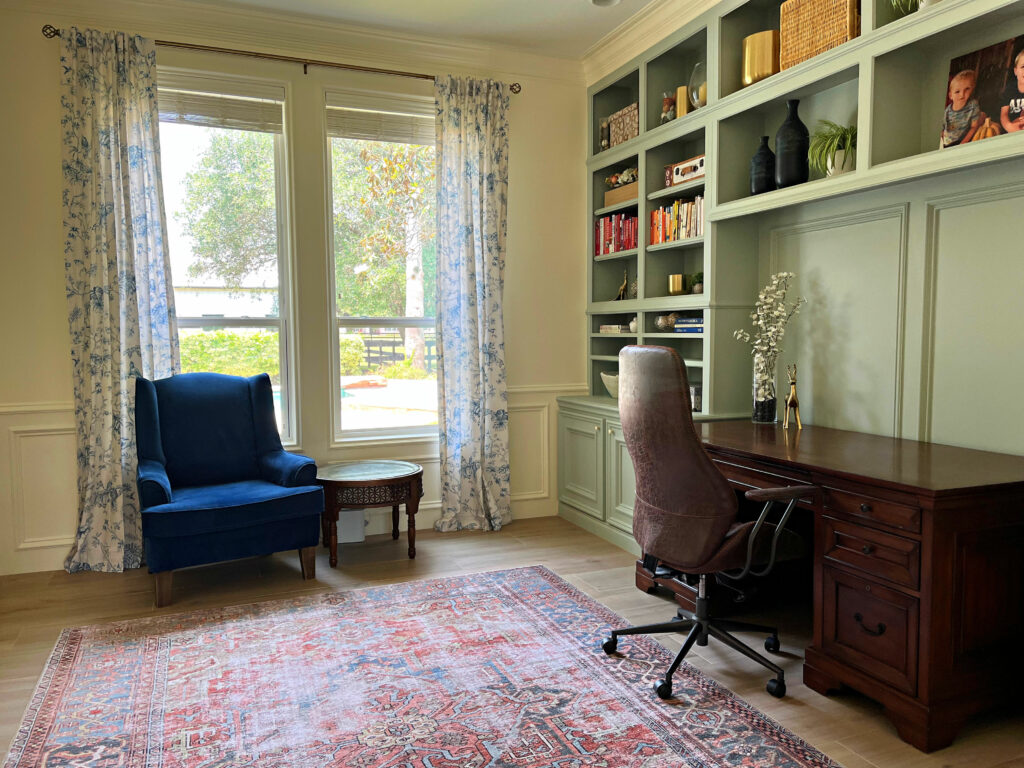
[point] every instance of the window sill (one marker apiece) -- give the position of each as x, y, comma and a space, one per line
400, 438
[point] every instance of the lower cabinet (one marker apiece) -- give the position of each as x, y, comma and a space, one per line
596, 484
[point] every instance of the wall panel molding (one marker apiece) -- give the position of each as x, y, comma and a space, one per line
934, 206
900, 213
543, 429
15, 409
18, 512
558, 389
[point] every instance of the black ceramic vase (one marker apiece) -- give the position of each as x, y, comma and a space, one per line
791, 145
762, 169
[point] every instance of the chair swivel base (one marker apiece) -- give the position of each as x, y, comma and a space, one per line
700, 627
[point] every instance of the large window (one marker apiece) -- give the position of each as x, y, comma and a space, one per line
385, 263
222, 151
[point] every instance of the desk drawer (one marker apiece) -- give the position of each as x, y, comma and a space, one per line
893, 558
872, 628
751, 477
863, 507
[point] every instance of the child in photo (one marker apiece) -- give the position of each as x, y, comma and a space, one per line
1011, 116
963, 113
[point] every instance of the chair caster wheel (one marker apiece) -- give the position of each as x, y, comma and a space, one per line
776, 687
663, 688
610, 645
771, 644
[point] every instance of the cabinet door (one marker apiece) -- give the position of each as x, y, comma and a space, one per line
580, 459
620, 482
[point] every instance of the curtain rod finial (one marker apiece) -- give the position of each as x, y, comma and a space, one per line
50, 31
515, 87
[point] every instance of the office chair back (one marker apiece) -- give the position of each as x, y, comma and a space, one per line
684, 506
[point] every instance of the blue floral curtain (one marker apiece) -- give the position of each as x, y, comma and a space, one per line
120, 304
472, 184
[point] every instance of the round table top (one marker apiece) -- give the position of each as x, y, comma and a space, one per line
372, 470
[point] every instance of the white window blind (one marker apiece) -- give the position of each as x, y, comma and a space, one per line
371, 116
220, 102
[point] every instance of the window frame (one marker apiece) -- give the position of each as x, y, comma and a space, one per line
384, 102
229, 85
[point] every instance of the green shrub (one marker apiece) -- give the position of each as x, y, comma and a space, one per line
237, 353
405, 370
352, 355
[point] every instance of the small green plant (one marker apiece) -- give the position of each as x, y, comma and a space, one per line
405, 369
352, 352
698, 277
904, 7
828, 139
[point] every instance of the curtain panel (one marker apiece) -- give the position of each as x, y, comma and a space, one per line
120, 302
472, 184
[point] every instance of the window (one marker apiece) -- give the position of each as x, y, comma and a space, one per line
222, 152
385, 263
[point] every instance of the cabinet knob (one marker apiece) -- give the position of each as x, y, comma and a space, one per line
867, 549
865, 507
609, 430
597, 429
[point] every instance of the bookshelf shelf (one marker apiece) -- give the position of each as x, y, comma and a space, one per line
678, 190
632, 252
624, 205
689, 242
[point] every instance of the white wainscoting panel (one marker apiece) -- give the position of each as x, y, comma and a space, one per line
529, 435
847, 340
39, 500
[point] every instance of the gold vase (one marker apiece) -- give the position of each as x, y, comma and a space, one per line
760, 56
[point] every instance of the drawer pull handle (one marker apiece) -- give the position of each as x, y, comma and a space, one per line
873, 632
865, 508
867, 549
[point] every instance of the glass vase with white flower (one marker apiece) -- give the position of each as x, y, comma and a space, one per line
770, 316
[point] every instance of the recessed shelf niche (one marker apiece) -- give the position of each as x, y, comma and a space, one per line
671, 69
832, 98
609, 100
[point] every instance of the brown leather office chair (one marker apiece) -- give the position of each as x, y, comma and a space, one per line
685, 514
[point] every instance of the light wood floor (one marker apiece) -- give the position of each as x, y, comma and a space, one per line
847, 727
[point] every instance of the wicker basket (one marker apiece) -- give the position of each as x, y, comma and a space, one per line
810, 27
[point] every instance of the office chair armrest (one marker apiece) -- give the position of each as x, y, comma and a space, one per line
781, 494
791, 495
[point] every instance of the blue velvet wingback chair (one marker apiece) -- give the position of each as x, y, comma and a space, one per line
214, 481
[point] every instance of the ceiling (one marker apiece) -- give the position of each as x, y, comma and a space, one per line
562, 28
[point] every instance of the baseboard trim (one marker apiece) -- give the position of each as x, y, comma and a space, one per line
600, 529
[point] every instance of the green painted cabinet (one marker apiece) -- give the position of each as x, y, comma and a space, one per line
596, 484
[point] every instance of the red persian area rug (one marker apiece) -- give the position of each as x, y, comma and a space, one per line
479, 671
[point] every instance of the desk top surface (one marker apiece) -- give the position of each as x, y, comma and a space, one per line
908, 464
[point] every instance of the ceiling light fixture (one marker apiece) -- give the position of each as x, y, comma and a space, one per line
604, 3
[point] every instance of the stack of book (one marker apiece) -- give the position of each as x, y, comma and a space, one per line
689, 325
615, 233
613, 329
681, 220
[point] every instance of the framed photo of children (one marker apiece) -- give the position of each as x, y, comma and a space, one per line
985, 94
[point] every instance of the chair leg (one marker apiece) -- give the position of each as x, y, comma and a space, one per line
307, 558
738, 645
680, 624
745, 626
663, 687
163, 588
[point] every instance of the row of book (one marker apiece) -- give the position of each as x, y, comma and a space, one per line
618, 232
689, 325
680, 221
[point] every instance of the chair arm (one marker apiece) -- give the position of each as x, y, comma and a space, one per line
287, 469
791, 495
154, 486
781, 494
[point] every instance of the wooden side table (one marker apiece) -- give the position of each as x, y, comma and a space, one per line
373, 483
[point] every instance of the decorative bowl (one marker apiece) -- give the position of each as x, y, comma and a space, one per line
611, 383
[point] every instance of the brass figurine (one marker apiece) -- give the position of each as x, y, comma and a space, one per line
623, 295
791, 400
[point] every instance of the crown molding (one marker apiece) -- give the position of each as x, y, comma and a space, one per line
296, 35
639, 32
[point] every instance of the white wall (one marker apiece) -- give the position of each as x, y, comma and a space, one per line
545, 276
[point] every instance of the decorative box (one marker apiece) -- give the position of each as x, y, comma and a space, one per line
810, 27
620, 194
625, 124
687, 170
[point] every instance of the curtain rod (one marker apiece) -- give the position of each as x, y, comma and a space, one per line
50, 31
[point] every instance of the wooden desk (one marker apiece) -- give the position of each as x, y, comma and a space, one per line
918, 567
